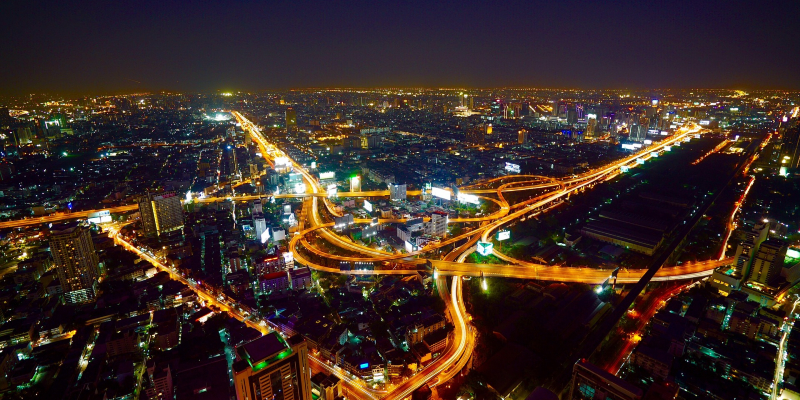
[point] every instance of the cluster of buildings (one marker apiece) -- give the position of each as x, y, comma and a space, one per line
764, 265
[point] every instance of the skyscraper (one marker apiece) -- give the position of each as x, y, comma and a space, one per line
355, 184
291, 119
270, 368
161, 213
397, 192
746, 249
768, 262
76, 261
522, 136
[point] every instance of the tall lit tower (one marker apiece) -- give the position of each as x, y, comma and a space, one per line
76, 262
291, 119
272, 368
355, 184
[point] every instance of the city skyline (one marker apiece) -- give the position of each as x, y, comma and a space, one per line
124, 48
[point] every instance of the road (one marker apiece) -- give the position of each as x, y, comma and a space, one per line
458, 353
780, 362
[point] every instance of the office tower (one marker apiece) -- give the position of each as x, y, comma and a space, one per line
260, 223
746, 248
768, 261
555, 105
590, 382
76, 261
24, 135
522, 136
591, 125
355, 184
437, 226
291, 119
161, 213
257, 207
270, 368
637, 133
397, 192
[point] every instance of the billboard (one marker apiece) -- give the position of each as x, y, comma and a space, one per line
327, 175
628, 146
99, 217
468, 198
667, 148
485, 248
503, 235
640, 160
624, 168
653, 154
331, 190
281, 161
513, 168
367, 206
648, 141
440, 193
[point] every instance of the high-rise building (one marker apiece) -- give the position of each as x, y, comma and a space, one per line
397, 192
768, 262
291, 119
522, 136
591, 126
746, 248
590, 382
270, 368
161, 213
76, 261
355, 184
260, 223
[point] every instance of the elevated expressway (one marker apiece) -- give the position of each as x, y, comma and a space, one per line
459, 352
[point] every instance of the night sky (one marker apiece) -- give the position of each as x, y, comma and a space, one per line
124, 46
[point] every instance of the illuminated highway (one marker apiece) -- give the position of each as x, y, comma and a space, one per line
459, 351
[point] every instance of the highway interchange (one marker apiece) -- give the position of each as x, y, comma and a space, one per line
549, 192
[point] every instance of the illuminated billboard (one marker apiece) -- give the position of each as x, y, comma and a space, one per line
628, 146
503, 235
367, 206
513, 168
648, 141
440, 193
624, 168
299, 188
99, 217
705, 122
281, 161
640, 160
485, 248
468, 198
654, 154
327, 175
331, 190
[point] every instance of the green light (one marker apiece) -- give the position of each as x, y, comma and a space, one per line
267, 362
